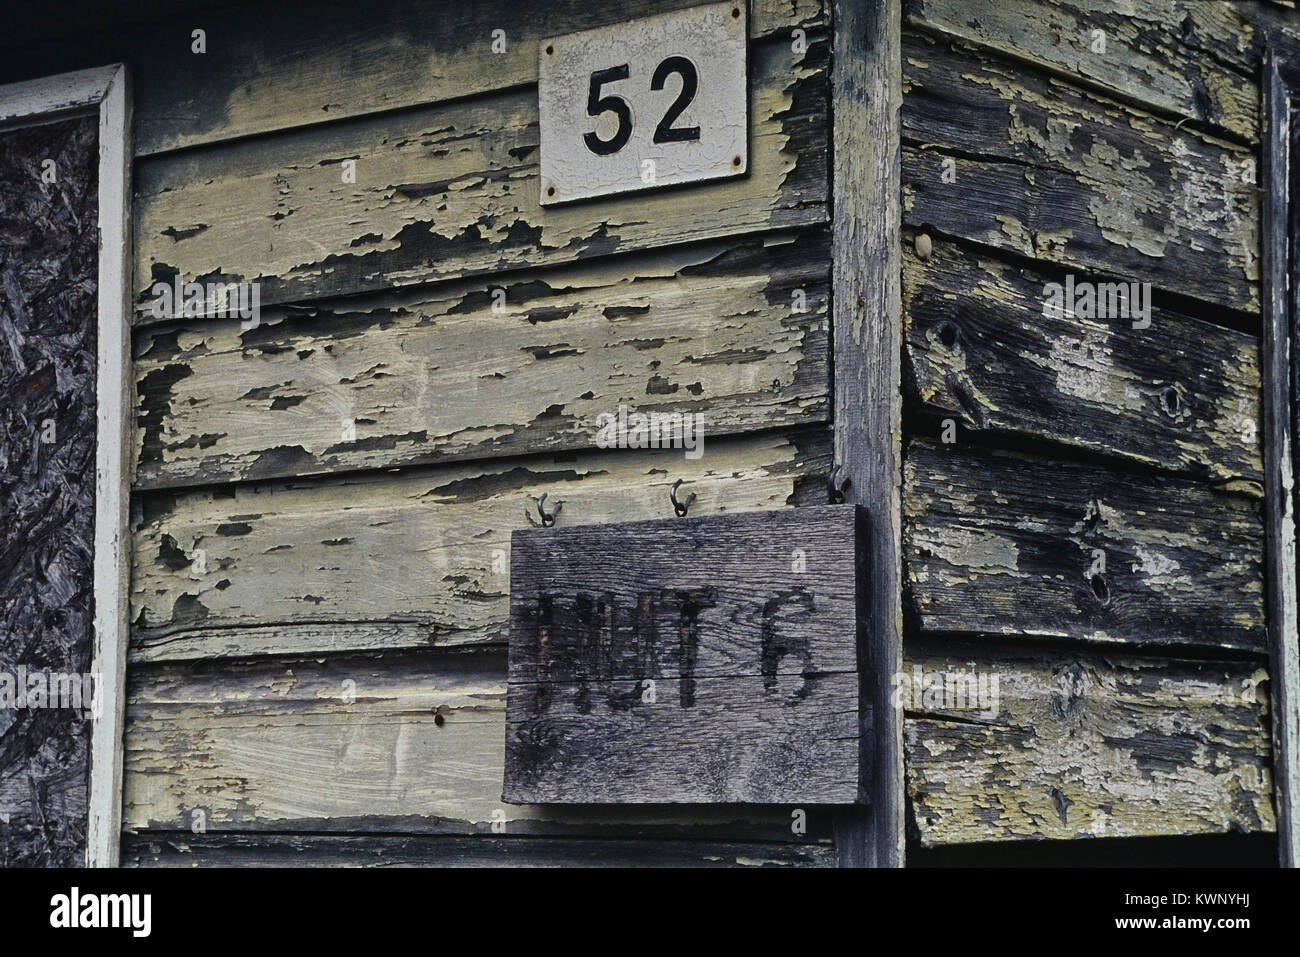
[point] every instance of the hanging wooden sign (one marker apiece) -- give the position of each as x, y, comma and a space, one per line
688, 660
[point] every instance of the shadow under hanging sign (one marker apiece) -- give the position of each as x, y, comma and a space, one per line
686, 661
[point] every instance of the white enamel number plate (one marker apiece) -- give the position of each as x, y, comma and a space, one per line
648, 103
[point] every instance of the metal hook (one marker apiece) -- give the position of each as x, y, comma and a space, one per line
547, 520
680, 507
836, 490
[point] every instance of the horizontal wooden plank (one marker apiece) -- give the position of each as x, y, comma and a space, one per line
1004, 542
1196, 850
734, 331
384, 560
1181, 394
271, 68
451, 191
1085, 744
317, 850
410, 743
1186, 57
1044, 169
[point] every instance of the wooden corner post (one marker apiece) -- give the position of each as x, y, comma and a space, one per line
1280, 374
866, 95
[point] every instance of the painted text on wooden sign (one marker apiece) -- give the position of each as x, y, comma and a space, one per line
694, 660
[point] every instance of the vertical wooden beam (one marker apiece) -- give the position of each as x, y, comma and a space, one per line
113, 472
866, 94
1277, 360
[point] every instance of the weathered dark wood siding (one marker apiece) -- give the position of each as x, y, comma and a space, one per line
323, 503
1134, 694
318, 671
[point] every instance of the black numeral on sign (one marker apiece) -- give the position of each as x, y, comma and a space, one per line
597, 104
665, 132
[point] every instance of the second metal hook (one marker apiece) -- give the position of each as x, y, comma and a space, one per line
836, 490
680, 507
547, 519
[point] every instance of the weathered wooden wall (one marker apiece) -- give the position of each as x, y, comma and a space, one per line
319, 620
1134, 697
317, 659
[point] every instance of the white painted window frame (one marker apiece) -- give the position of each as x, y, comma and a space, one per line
106, 90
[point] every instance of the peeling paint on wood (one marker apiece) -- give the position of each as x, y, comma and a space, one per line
1049, 171
1185, 57
246, 591
410, 559
452, 191
1089, 745
1001, 542
1181, 394
281, 69
430, 375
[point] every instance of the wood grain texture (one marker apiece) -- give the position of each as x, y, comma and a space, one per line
767, 592
112, 464
268, 69
408, 559
48, 335
1113, 744
37, 99
1046, 170
316, 850
1182, 57
1181, 394
448, 373
687, 660
1086, 744
1281, 427
452, 191
409, 743
790, 739
1002, 542
867, 327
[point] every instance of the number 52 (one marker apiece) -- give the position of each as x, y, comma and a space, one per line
665, 132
